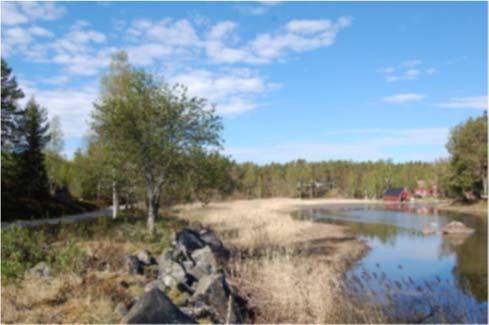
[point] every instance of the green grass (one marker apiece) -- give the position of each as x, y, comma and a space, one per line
59, 245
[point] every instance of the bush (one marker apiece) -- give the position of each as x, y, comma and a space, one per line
20, 251
23, 248
68, 258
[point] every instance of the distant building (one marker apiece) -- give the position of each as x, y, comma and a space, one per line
426, 190
314, 188
400, 194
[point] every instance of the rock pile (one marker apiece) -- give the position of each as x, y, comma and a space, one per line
193, 270
456, 228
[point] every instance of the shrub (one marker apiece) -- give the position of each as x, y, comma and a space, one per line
68, 258
21, 249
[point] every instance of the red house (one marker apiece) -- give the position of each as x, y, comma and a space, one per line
425, 190
400, 194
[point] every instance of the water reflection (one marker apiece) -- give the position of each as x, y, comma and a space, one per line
395, 234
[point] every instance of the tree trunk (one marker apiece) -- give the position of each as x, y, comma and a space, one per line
484, 185
115, 200
153, 198
98, 192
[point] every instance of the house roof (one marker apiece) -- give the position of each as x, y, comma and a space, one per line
394, 191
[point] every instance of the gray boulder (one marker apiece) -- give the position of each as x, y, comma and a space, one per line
205, 263
121, 309
156, 284
133, 265
41, 269
214, 292
456, 228
200, 311
145, 257
174, 275
154, 307
220, 251
189, 239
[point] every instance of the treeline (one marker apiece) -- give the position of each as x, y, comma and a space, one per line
343, 178
462, 176
151, 142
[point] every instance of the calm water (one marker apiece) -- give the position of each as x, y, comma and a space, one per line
408, 268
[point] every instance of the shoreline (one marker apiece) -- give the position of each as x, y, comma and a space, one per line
288, 269
477, 210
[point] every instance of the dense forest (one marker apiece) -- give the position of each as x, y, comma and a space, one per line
151, 142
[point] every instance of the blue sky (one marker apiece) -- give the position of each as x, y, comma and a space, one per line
319, 81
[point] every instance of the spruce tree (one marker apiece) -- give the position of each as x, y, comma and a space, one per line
11, 112
12, 116
32, 175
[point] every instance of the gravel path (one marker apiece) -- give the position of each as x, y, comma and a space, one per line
104, 212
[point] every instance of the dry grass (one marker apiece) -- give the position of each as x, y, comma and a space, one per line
287, 268
101, 282
66, 299
283, 288
70, 298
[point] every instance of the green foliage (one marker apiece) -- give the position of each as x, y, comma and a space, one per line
11, 112
56, 142
20, 251
68, 258
467, 146
59, 170
32, 172
154, 126
349, 179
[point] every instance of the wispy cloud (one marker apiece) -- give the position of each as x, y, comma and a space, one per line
233, 91
403, 98
294, 37
471, 102
72, 105
16, 13
406, 70
256, 8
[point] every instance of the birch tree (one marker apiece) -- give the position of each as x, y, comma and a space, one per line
154, 126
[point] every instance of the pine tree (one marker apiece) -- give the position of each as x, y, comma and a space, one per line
32, 175
11, 112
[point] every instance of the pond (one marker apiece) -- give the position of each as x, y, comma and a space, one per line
430, 278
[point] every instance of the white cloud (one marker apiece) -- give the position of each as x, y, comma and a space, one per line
368, 144
57, 80
82, 50
403, 98
15, 13
472, 102
153, 41
406, 70
411, 63
296, 36
308, 26
166, 31
11, 14
73, 106
77, 50
39, 31
233, 91
20, 39
256, 8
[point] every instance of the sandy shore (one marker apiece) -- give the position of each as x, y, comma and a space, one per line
288, 268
